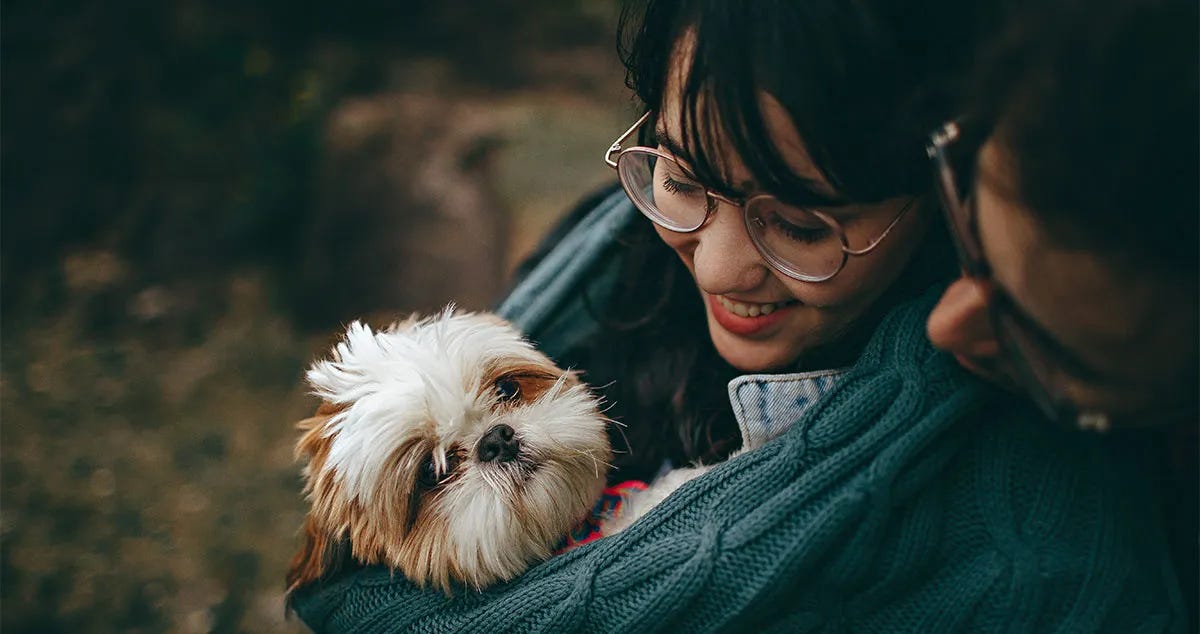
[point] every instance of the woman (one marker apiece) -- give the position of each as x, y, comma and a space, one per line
887, 490
814, 265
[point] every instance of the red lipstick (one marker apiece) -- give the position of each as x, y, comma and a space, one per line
744, 326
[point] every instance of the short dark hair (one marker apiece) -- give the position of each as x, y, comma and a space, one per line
1094, 108
863, 82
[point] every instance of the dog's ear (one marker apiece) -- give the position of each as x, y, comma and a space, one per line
321, 555
314, 443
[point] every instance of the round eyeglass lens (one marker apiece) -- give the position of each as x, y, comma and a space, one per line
663, 190
797, 241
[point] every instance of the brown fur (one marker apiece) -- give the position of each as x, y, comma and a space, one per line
534, 379
313, 559
331, 519
405, 525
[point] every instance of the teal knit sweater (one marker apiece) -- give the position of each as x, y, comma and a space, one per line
910, 499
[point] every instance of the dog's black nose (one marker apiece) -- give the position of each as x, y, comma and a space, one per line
499, 444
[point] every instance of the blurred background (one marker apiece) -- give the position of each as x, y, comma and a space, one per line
194, 196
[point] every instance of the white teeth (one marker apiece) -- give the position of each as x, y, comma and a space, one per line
750, 310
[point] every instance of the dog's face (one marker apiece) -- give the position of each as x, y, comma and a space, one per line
448, 448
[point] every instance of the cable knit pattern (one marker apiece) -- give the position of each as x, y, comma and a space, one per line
909, 498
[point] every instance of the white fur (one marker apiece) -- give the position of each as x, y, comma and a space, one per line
425, 389
394, 381
427, 384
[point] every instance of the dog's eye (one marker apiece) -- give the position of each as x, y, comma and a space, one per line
507, 388
428, 474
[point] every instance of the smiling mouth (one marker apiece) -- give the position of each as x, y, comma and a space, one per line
746, 309
747, 319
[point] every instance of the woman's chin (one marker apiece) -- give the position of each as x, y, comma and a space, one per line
750, 356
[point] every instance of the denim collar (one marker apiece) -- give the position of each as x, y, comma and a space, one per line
765, 405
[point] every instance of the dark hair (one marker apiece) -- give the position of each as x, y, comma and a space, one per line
1095, 109
863, 82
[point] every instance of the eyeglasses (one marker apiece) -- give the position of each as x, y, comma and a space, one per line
1040, 371
803, 244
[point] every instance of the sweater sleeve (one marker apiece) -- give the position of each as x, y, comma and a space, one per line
550, 300
853, 519
1042, 529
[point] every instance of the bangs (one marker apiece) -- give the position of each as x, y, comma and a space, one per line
841, 86
717, 117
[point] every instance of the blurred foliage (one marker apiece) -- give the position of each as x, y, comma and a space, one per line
158, 167
183, 135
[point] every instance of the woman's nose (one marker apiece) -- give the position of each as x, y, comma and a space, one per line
724, 258
960, 323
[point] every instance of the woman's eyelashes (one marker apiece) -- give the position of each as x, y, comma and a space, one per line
798, 233
808, 230
672, 185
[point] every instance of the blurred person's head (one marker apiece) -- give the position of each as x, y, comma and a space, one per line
823, 106
1072, 184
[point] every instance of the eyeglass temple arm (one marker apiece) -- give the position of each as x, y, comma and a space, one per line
895, 221
936, 150
972, 262
616, 146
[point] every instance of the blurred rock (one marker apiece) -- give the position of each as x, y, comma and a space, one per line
407, 217
92, 270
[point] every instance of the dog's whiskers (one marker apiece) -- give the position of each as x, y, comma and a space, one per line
415, 402
620, 427
596, 461
495, 483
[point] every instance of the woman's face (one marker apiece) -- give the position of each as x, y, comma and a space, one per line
738, 285
1116, 339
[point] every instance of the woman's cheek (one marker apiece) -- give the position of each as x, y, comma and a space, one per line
681, 243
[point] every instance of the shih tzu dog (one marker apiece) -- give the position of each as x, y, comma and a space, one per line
447, 448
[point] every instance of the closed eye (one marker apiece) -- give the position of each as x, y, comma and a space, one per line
673, 186
798, 233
